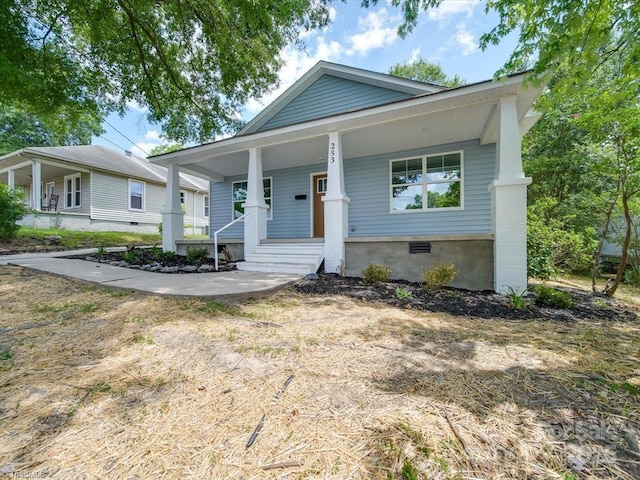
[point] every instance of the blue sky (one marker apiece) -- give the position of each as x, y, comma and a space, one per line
363, 38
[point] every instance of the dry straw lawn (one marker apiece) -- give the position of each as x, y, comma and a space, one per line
103, 384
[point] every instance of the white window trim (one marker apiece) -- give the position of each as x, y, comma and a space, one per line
206, 206
73, 194
424, 209
269, 211
144, 195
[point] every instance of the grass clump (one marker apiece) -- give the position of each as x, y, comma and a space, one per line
375, 273
516, 298
403, 293
439, 276
552, 297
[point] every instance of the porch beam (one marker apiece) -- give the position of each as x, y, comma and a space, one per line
36, 189
17, 166
509, 203
255, 223
172, 215
336, 207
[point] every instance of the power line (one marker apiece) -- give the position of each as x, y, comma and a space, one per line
113, 143
132, 142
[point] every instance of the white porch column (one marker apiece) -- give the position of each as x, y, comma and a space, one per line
255, 223
336, 208
172, 215
509, 203
36, 188
11, 179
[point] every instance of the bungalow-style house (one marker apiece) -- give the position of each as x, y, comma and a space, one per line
350, 167
91, 187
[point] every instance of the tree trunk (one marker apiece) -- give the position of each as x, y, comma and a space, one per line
610, 291
603, 236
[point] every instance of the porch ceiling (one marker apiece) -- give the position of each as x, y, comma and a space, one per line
47, 172
438, 119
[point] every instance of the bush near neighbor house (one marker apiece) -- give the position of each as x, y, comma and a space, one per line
12, 209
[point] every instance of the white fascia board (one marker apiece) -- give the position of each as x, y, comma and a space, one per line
348, 121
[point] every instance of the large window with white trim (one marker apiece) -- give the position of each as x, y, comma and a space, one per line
136, 195
73, 191
428, 182
239, 196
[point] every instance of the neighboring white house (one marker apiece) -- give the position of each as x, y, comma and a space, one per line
353, 167
97, 188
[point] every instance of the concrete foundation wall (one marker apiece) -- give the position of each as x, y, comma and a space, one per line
82, 222
235, 247
473, 258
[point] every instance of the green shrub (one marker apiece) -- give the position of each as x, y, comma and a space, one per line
132, 255
439, 276
552, 297
12, 209
375, 273
403, 293
197, 255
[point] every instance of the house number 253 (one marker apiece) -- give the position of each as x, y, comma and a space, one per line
332, 152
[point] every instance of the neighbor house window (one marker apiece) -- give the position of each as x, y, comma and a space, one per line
205, 213
426, 182
136, 195
72, 191
239, 196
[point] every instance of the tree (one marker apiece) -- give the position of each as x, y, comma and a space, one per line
19, 129
165, 148
190, 63
12, 209
427, 72
582, 33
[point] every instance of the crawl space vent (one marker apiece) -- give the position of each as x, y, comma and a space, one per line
419, 247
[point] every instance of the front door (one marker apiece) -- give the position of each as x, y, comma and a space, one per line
319, 190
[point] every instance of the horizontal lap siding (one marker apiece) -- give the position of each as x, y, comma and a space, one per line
329, 96
111, 200
367, 185
291, 217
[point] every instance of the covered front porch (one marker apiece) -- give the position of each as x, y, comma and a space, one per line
316, 153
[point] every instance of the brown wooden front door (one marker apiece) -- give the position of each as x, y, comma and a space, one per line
319, 190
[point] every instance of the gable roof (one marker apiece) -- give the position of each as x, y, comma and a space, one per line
389, 88
108, 160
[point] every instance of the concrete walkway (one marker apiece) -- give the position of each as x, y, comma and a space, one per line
216, 285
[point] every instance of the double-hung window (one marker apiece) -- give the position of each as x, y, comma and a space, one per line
136, 195
239, 196
205, 213
72, 191
426, 183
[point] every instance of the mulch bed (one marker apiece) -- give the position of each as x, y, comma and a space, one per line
485, 304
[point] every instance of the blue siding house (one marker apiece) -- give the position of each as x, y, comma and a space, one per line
350, 167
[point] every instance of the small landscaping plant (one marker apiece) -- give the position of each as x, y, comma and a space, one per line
439, 276
516, 298
552, 297
12, 209
403, 293
375, 273
197, 255
132, 255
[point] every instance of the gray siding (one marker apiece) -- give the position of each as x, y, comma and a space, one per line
291, 218
329, 96
367, 184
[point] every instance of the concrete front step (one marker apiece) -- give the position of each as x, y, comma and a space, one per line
299, 258
279, 267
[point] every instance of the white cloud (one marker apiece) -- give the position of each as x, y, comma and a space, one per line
142, 149
153, 135
449, 8
465, 40
133, 105
415, 55
375, 30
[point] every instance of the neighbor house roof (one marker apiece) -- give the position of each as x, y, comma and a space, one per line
105, 159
